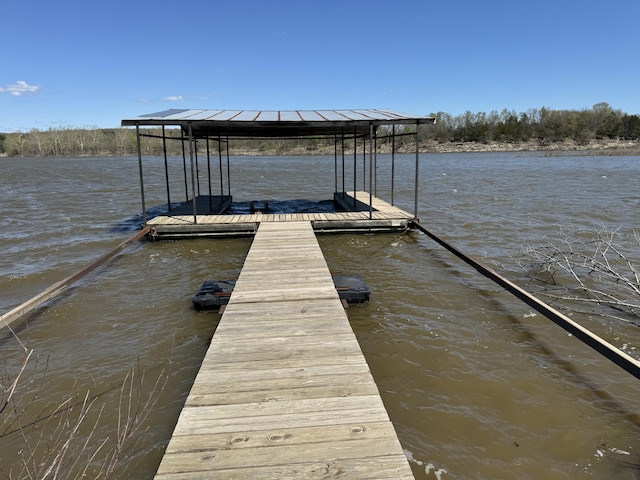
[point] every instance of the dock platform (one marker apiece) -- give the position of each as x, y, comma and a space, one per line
355, 215
284, 390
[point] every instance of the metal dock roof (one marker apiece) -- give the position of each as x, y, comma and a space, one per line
276, 123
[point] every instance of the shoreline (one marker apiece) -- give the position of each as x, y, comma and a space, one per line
591, 148
560, 148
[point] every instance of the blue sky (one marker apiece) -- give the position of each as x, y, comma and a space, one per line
90, 64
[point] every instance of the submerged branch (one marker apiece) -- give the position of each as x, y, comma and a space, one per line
585, 267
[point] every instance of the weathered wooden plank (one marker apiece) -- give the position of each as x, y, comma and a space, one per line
273, 349
269, 390
192, 423
284, 272
298, 322
318, 307
280, 292
263, 379
327, 451
337, 386
378, 468
282, 437
211, 417
264, 256
254, 331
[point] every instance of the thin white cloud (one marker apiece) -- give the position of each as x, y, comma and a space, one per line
175, 98
19, 88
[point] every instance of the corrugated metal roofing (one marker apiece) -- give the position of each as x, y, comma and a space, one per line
273, 123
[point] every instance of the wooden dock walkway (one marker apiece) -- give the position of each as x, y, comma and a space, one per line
356, 217
284, 390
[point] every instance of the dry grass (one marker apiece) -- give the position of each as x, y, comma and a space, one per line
86, 435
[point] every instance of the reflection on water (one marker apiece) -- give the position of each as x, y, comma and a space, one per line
477, 385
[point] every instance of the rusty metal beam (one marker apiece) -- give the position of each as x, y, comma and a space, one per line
617, 356
56, 289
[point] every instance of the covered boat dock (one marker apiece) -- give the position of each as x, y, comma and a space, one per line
284, 390
205, 211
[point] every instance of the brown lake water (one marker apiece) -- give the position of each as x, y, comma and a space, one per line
477, 385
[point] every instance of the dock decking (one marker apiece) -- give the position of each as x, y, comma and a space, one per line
284, 391
356, 217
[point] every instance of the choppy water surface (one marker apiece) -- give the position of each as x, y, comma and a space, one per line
476, 384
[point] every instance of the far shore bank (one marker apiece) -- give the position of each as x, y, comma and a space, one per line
603, 147
593, 147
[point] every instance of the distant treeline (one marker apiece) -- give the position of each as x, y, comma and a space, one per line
545, 126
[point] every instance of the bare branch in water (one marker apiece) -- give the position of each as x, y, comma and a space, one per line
586, 267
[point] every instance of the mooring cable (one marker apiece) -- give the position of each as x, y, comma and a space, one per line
612, 353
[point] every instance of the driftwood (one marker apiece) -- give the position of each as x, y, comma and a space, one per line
587, 268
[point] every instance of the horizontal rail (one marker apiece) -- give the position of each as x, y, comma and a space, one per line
54, 290
617, 356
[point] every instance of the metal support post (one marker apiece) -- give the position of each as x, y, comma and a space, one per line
220, 164
184, 167
209, 175
335, 162
144, 207
415, 208
393, 162
370, 171
166, 167
228, 170
342, 141
193, 176
355, 168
